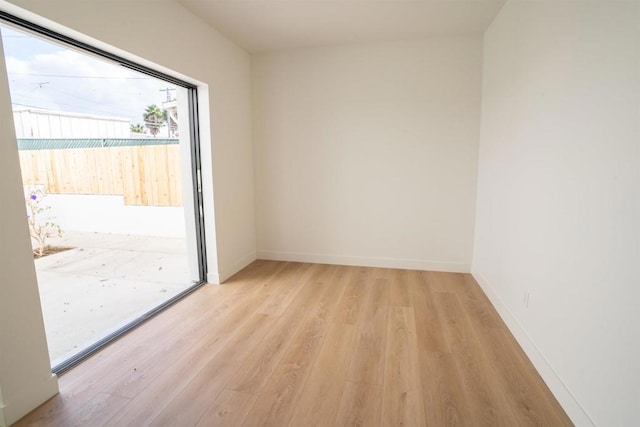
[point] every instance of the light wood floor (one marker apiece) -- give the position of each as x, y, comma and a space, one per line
301, 344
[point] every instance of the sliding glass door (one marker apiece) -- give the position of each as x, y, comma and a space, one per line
109, 154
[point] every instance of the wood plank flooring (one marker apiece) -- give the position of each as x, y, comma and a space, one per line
305, 344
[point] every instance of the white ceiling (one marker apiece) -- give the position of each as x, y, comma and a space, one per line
268, 25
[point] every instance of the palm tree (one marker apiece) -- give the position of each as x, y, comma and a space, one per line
137, 128
154, 118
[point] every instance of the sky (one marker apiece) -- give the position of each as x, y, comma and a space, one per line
44, 74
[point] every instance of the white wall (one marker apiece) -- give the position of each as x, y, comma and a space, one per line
101, 213
558, 211
367, 154
222, 72
25, 374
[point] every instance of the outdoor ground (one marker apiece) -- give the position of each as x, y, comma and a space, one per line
103, 283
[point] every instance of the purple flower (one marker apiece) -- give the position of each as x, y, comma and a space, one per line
33, 197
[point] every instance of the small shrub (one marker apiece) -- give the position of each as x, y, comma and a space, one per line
41, 226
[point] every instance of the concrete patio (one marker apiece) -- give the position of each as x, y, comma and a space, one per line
106, 281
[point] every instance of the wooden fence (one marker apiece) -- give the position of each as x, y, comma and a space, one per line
147, 175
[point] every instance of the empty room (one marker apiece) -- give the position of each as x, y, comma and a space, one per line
397, 213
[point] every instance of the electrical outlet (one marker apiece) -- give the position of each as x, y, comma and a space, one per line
526, 299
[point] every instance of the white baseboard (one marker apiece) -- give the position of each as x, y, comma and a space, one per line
217, 277
567, 400
29, 399
408, 264
213, 278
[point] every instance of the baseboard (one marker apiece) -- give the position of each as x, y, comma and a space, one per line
567, 400
408, 264
222, 275
213, 278
25, 402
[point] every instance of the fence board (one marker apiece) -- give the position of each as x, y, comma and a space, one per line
145, 175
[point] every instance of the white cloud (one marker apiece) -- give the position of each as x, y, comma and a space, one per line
46, 80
